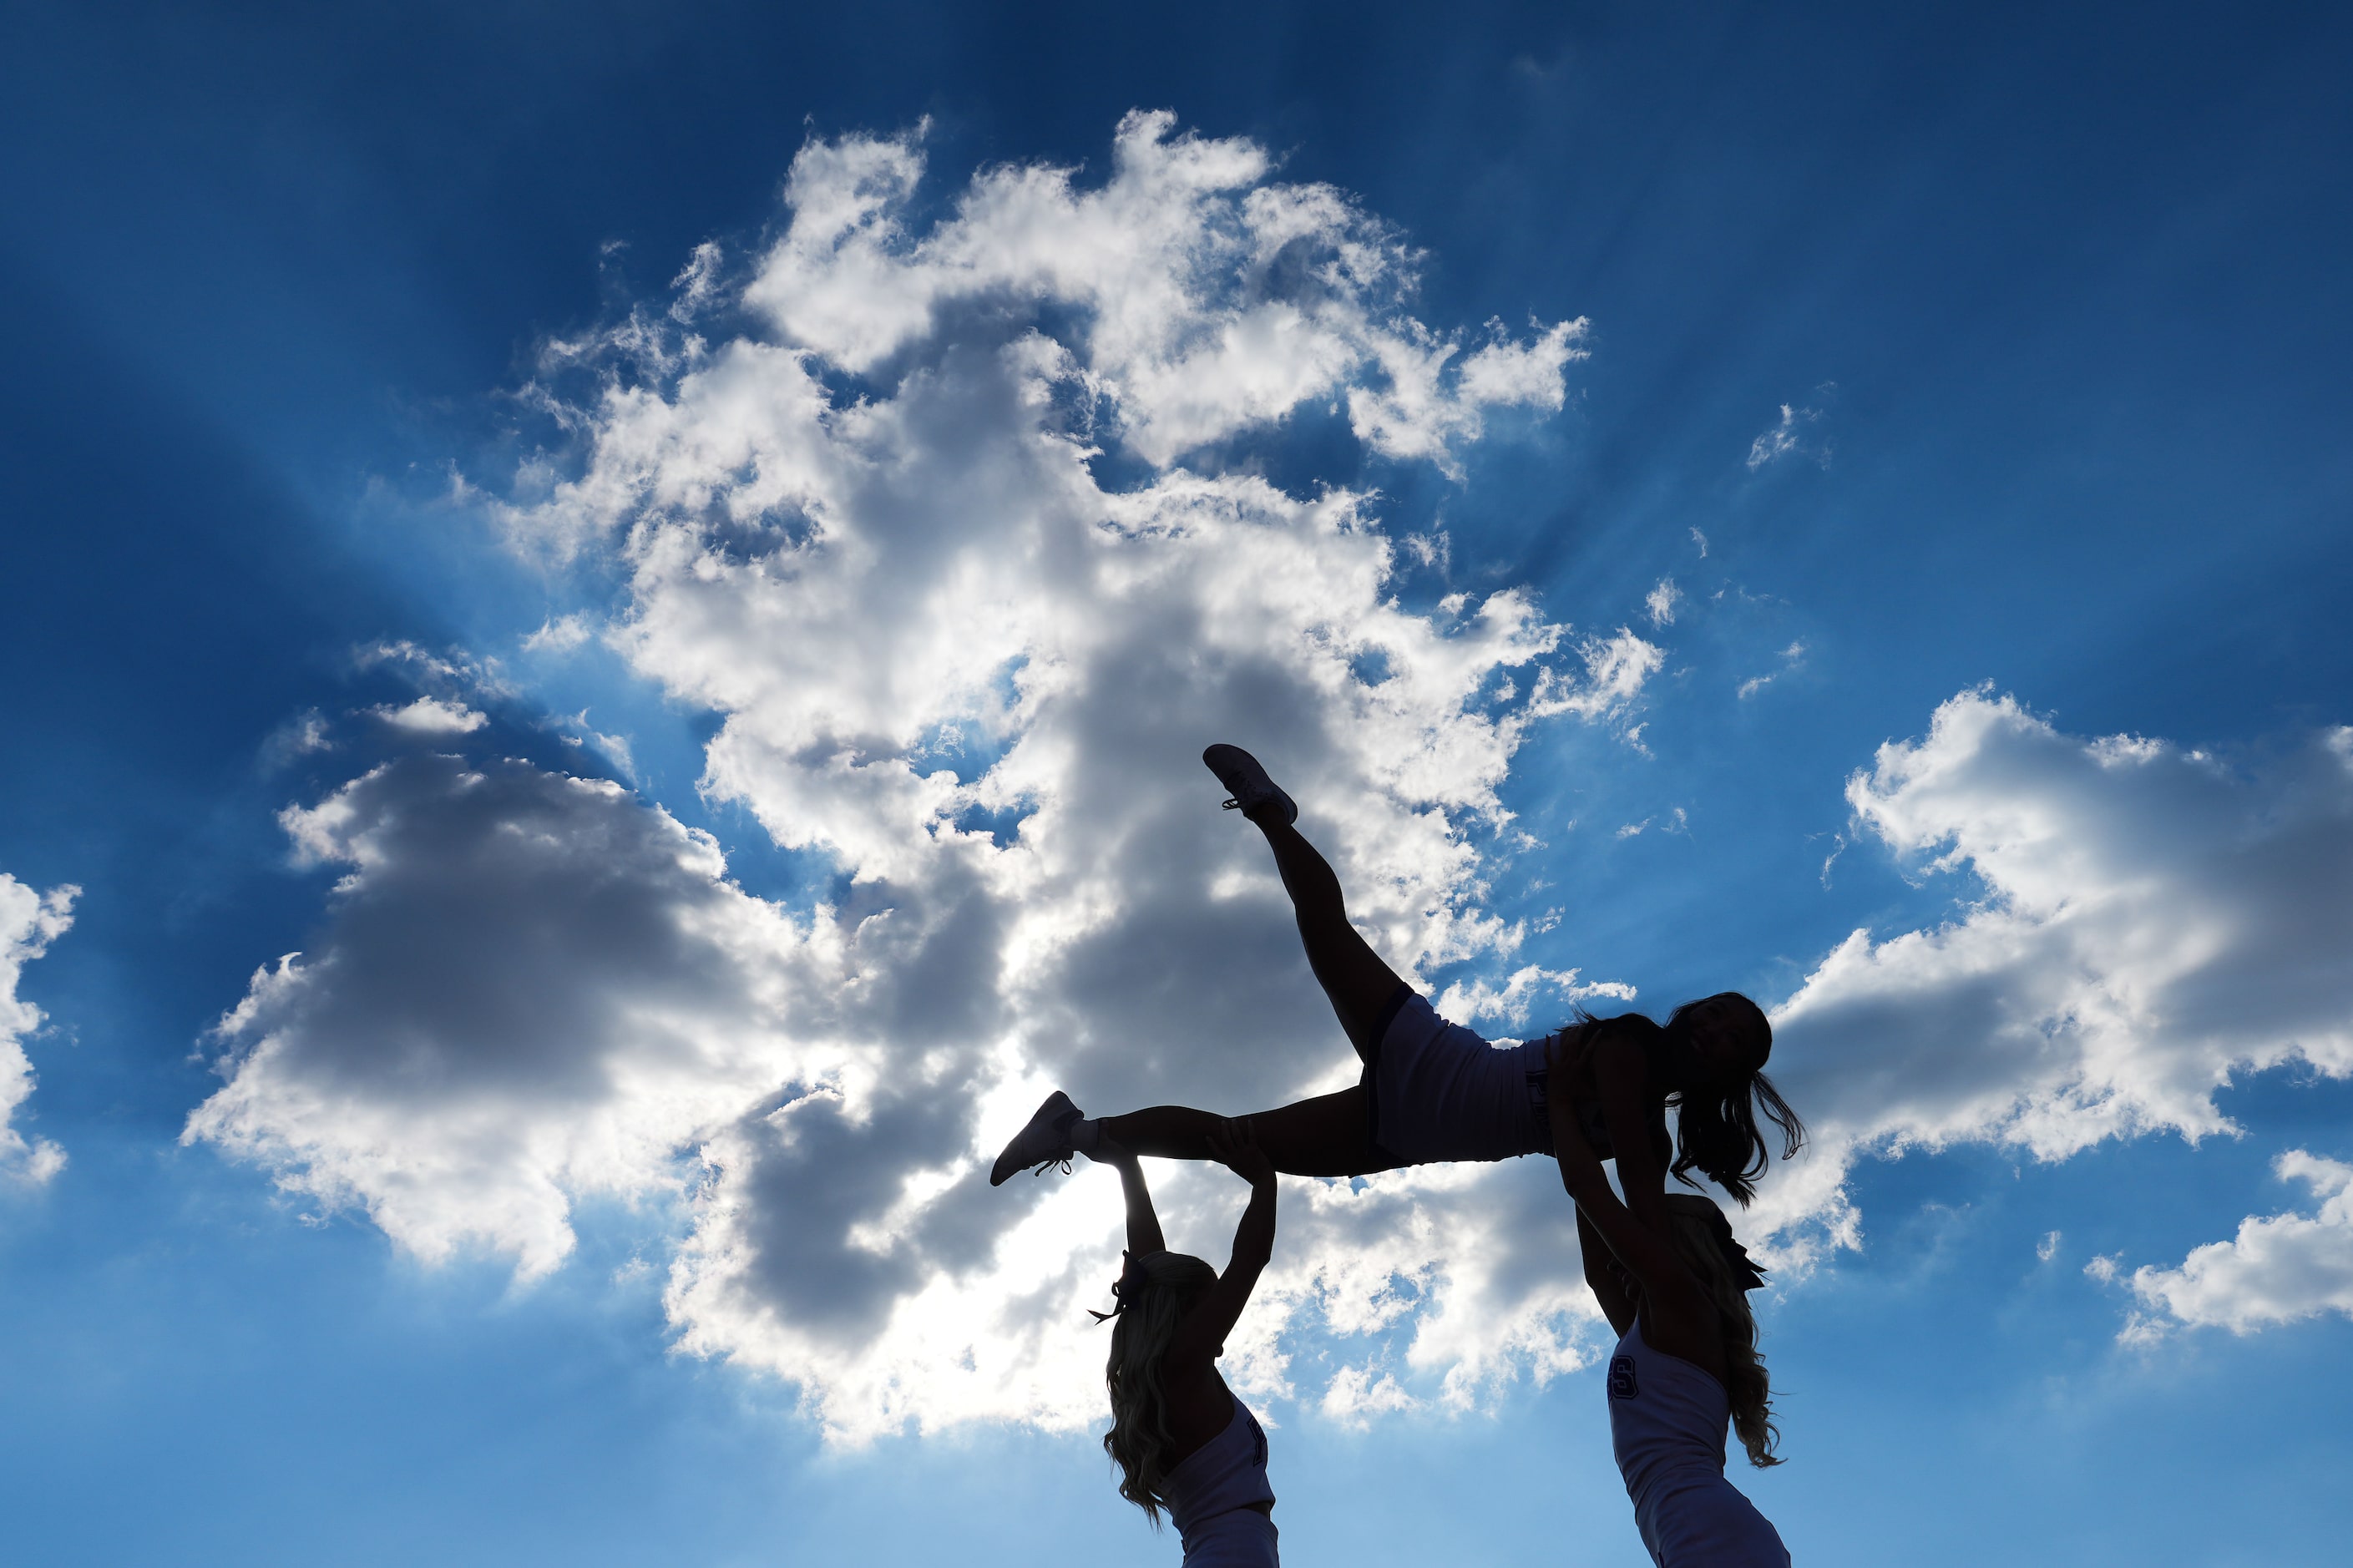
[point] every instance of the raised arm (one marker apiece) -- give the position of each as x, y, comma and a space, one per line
1144, 1236
1603, 1276
1202, 1334
1622, 1078
1679, 1319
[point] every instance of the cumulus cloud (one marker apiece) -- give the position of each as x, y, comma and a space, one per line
528, 988
1480, 999
30, 921
957, 651
961, 540
2277, 1270
2143, 922
432, 716
1356, 1395
1212, 298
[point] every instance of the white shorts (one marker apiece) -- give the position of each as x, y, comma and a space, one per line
1239, 1538
1439, 1092
1707, 1524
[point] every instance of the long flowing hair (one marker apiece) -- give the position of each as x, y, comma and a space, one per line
1704, 1241
1156, 1292
1718, 1133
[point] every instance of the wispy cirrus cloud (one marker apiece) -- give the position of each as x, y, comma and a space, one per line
1792, 435
1791, 657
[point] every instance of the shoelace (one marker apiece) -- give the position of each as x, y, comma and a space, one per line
1062, 1160
1233, 806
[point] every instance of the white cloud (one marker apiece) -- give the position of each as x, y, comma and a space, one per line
30, 921
696, 285
2147, 922
1616, 669
298, 737
1204, 300
558, 635
1434, 549
1786, 437
2275, 1270
529, 988
873, 539
1791, 657
455, 670
432, 716
1661, 600
1355, 1396
1474, 1001
1678, 822
574, 730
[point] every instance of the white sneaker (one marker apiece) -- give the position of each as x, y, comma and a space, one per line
1045, 1141
1253, 793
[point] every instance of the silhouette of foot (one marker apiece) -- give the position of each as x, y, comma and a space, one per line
1254, 795
1045, 1141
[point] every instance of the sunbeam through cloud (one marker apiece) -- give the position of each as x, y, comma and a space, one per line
870, 518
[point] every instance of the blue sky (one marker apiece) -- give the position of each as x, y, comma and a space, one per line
1956, 392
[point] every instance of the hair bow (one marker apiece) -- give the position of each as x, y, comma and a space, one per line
1751, 1276
1130, 1284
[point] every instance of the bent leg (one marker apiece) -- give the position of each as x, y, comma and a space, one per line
1325, 1136
1353, 976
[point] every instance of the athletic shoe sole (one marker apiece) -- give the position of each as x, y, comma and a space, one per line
1045, 1140
1247, 783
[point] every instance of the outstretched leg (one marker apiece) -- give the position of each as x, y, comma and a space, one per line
1361, 987
1325, 1136
1329, 1135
